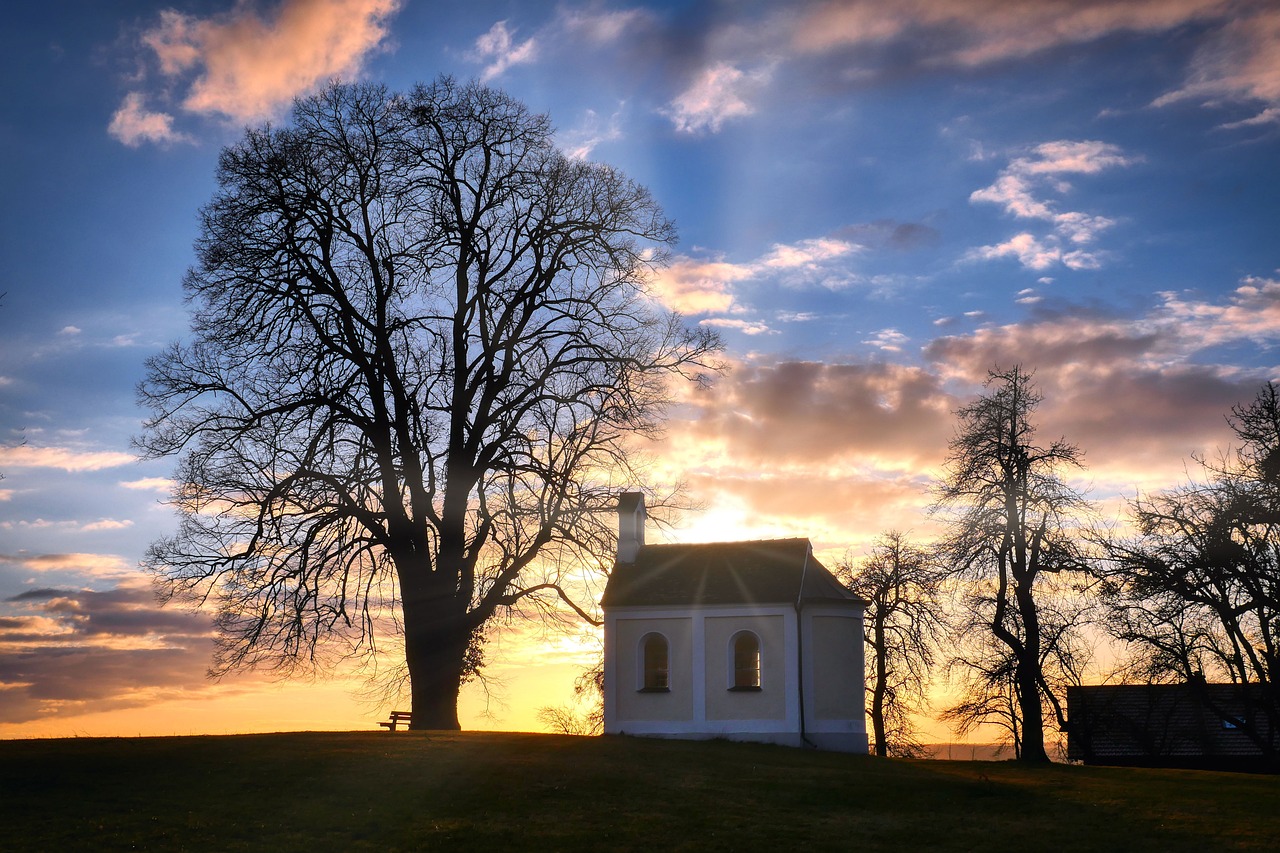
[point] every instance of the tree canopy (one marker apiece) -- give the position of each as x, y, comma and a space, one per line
421, 347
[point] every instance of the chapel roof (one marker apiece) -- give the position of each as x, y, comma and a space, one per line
772, 571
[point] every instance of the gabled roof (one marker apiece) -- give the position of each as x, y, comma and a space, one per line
763, 572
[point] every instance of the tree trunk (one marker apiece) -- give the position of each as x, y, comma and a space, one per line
877, 696
1033, 751
436, 636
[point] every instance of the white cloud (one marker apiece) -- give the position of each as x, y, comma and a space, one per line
707, 286
498, 48
1029, 251
1251, 313
807, 254
107, 524
579, 142
721, 92
603, 27
888, 340
1021, 189
133, 124
747, 327
163, 485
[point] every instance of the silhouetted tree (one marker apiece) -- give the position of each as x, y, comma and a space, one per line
588, 689
903, 588
1196, 594
1011, 519
421, 344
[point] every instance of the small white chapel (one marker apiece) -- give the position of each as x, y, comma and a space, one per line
741, 640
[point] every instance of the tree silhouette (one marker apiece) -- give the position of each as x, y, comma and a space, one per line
1196, 594
421, 346
1010, 515
903, 588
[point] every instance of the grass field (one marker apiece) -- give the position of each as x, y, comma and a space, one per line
486, 791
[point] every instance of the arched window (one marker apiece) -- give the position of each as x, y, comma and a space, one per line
746, 661
655, 658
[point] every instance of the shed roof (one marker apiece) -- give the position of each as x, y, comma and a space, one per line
1125, 721
776, 571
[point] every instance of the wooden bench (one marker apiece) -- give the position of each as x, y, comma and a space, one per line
397, 717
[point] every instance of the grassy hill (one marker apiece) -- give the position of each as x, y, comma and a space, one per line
409, 791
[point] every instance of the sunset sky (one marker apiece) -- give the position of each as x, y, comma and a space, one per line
877, 202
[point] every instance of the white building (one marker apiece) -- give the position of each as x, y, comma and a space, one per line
741, 640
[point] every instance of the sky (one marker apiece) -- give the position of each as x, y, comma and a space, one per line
877, 203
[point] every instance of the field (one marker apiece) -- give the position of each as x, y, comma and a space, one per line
486, 791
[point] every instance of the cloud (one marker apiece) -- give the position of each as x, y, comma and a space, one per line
601, 27
498, 48
1037, 254
974, 33
807, 254
247, 63
92, 565
718, 93
697, 286
163, 485
888, 233
693, 286
1250, 313
747, 327
843, 450
824, 414
68, 459
840, 44
1129, 390
579, 142
133, 124
1239, 62
888, 340
67, 651
107, 524
1021, 189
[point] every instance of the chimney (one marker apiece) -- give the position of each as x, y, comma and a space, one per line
630, 525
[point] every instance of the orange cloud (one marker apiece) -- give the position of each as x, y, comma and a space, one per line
95, 565
249, 65
691, 286
978, 32
27, 456
881, 415
133, 124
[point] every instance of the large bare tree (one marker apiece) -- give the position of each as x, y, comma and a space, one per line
421, 344
1012, 520
903, 586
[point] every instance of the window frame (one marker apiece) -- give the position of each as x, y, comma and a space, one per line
653, 676
737, 669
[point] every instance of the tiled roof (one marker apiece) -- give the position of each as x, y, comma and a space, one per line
1119, 721
763, 572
